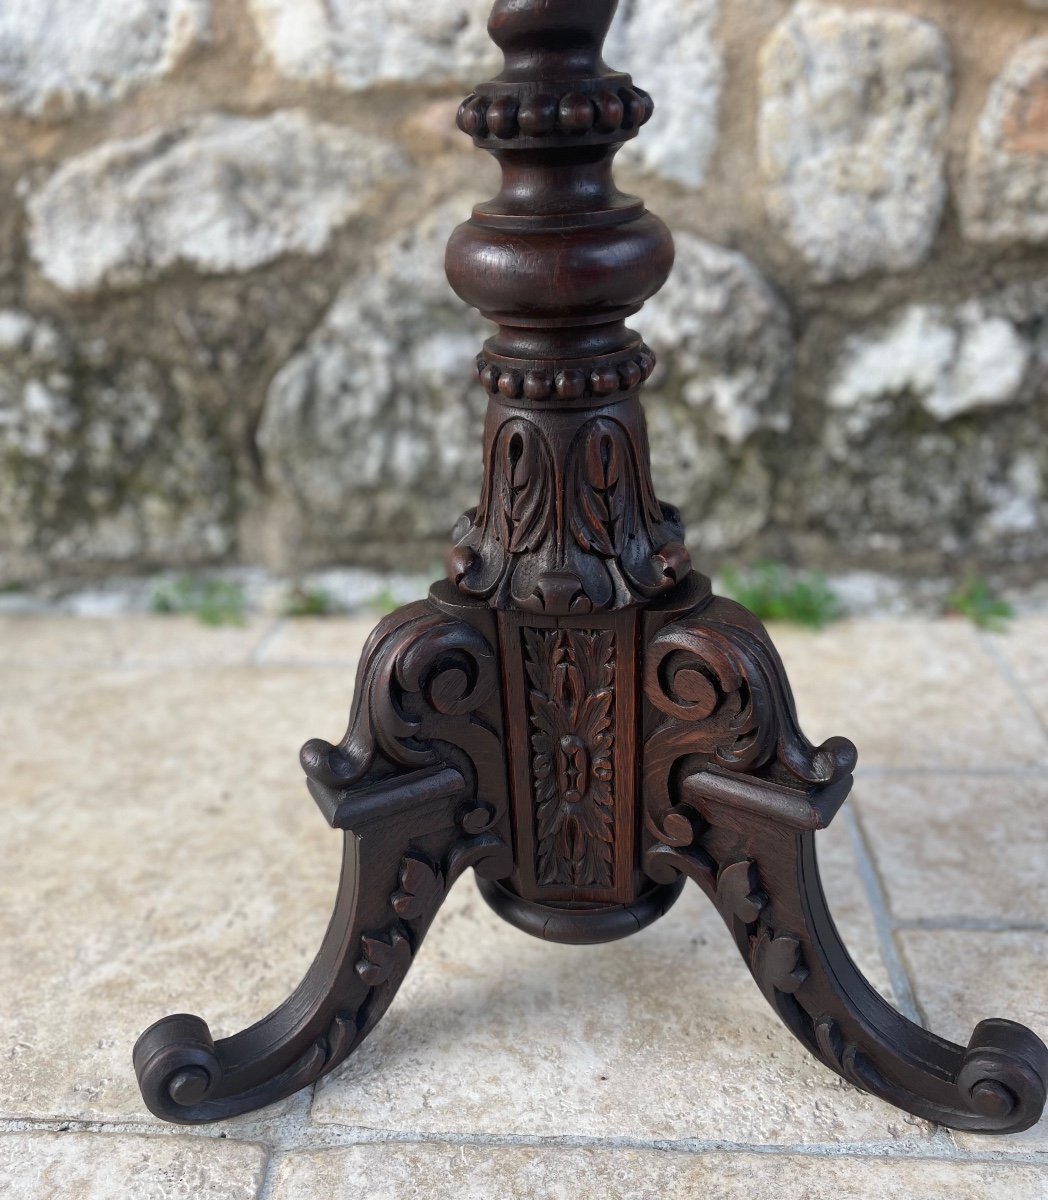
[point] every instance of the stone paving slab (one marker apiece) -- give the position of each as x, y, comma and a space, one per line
63, 642
1024, 650
319, 641
100, 1166
964, 976
162, 854
392, 1172
912, 693
662, 1035
950, 848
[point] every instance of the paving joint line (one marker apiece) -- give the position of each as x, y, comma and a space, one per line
963, 924
937, 1148
257, 657
884, 924
1034, 771
1007, 672
267, 1188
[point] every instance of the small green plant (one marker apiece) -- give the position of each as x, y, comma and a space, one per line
773, 593
211, 601
384, 602
976, 600
308, 602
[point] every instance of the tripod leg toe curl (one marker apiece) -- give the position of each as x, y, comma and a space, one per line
773, 903
416, 787
739, 818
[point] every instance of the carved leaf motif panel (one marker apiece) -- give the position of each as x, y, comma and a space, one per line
611, 491
568, 522
523, 513
571, 676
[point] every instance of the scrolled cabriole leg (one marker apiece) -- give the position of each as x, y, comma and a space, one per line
417, 787
772, 900
734, 796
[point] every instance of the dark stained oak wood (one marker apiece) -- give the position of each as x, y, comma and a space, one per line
572, 713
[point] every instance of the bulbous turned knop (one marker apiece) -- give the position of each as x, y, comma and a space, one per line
540, 273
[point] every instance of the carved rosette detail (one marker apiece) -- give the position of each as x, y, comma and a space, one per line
571, 673
571, 531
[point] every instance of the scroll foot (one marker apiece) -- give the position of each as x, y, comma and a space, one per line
389, 894
734, 795
770, 895
416, 786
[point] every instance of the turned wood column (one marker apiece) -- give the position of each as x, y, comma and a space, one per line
568, 538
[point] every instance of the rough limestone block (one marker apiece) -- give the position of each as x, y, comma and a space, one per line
372, 429
726, 357
854, 106
670, 47
355, 45
365, 408
102, 457
953, 362
931, 435
1004, 194
725, 339
218, 194
724, 495
59, 56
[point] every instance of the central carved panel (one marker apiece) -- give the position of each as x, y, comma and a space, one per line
571, 700
571, 725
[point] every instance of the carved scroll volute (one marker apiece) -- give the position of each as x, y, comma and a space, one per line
568, 522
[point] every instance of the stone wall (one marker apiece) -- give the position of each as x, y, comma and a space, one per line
225, 335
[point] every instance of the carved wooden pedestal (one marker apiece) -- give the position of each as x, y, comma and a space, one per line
572, 713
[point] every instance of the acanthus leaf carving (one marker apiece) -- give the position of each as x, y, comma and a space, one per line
421, 888
523, 489
383, 961
775, 957
778, 962
739, 892
339, 1039
571, 527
